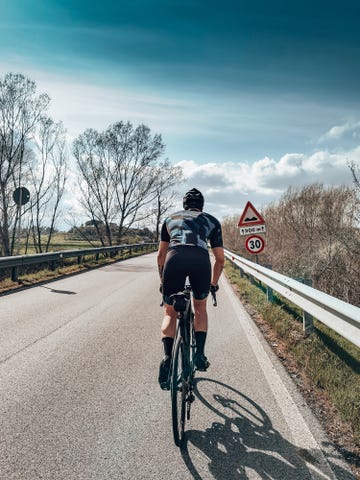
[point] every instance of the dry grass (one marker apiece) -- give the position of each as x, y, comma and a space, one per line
325, 366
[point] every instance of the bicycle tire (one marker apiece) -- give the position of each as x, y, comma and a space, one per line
190, 369
178, 393
192, 344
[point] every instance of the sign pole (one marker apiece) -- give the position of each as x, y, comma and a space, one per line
19, 229
21, 196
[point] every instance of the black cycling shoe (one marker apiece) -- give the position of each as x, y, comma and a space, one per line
201, 362
164, 370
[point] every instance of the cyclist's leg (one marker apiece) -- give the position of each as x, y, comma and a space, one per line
168, 329
200, 327
200, 281
200, 277
200, 315
173, 281
168, 326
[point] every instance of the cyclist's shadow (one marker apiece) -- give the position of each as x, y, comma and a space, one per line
244, 440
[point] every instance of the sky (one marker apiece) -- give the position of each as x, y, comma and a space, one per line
249, 97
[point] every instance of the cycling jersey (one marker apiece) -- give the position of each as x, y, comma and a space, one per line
187, 232
192, 228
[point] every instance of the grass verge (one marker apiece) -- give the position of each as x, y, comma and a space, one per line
325, 366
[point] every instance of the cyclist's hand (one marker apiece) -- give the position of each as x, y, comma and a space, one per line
213, 289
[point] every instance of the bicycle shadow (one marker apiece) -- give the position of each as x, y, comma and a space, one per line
244, 442
64, 292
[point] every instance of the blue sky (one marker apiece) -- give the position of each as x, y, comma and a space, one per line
250, 97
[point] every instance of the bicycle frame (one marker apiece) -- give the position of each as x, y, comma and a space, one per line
184, 316
182, 369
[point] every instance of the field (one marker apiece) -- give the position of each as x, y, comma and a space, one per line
61, 241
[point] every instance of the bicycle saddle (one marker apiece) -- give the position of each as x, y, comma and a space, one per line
179, 301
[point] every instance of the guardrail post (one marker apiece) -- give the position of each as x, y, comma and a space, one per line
308, 321
53, 265
269, 290
14, 274
79, 259
236, 267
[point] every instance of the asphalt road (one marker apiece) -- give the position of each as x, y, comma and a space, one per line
79, 397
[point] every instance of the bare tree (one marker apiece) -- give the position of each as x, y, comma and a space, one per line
96, 181
355, 171
20, 110
135, 152
167, 177
48, 176
354, 167
312, 232
231, 235
118, 175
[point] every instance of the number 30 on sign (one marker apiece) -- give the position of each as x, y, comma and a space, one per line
255, 244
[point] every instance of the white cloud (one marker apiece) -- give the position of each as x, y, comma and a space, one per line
349, 130
227, 186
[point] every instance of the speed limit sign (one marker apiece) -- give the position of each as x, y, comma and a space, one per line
255, 244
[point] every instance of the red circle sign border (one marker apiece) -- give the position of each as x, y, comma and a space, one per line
251, 238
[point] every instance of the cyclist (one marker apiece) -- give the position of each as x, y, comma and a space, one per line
183, 252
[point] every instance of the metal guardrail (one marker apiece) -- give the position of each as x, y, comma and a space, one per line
338, 315
52, 258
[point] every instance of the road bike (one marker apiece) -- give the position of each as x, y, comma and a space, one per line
182, 370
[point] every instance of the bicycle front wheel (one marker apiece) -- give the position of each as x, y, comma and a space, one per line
178, 392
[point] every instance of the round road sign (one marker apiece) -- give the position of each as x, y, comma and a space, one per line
21, 196
255, 244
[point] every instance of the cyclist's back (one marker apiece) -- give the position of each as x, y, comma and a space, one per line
191, 228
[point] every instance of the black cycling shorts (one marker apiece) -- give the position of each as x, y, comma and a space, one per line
186, 261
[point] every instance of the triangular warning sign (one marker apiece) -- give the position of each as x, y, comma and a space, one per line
250, 216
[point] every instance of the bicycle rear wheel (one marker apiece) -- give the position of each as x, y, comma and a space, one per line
178, 392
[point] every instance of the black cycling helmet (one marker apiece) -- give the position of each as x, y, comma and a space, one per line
193, 199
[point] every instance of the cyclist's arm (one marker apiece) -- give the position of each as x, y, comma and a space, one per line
219, 256
163, 248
